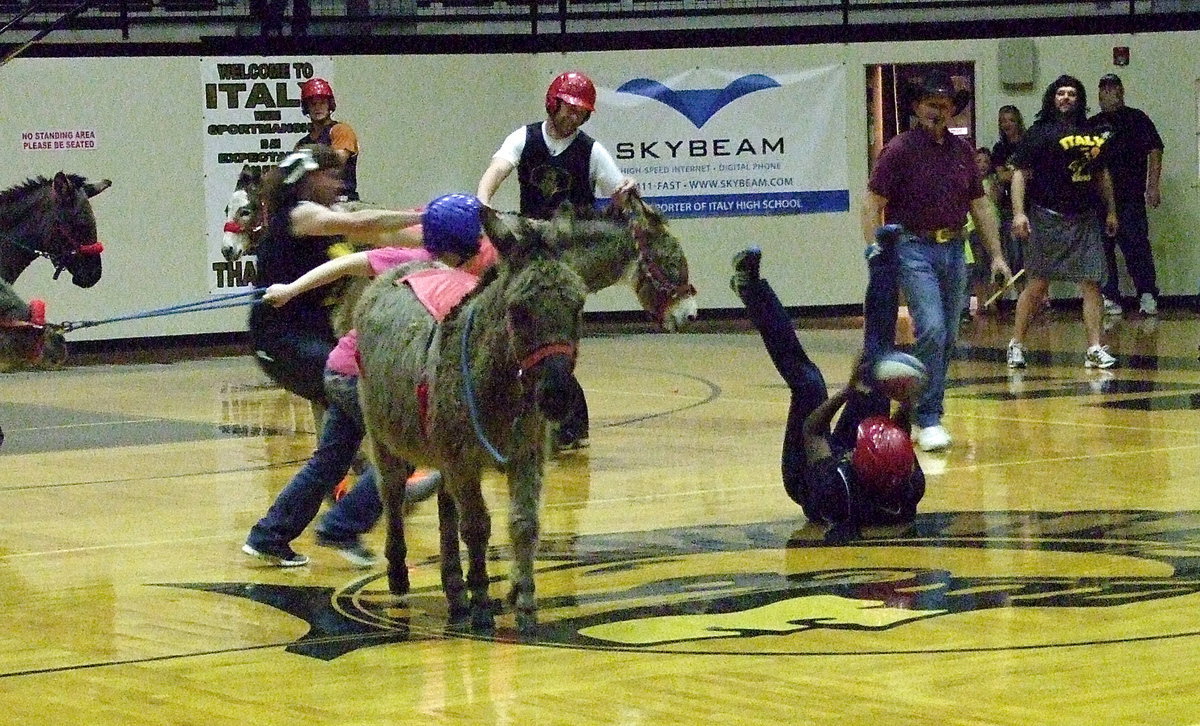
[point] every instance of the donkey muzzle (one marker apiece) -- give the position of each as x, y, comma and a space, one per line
557, 395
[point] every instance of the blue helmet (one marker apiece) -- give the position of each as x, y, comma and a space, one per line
451, 223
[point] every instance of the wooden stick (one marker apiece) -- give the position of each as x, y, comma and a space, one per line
1004, 287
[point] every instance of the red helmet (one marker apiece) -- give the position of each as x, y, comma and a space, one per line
316, 88
571, 87
883, 457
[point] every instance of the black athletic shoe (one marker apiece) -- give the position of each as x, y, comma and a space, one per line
278, 555
745, 268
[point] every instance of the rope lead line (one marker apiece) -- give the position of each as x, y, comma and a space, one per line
469, 393
211, 303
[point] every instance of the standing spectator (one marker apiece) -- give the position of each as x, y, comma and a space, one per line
1134, 155
926, 180
1011, 125
1057, 190
558, 163
317, 102
864, 470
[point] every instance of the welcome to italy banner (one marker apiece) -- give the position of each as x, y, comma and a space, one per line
717, 143
251, 116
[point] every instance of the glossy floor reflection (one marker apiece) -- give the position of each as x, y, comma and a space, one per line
1051, 573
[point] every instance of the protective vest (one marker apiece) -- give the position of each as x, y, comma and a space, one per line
548, 181
349, 169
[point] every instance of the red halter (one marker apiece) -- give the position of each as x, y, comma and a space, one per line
666, 293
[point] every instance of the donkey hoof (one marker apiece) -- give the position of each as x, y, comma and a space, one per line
526, 622
398, 584
482, 617
458, 612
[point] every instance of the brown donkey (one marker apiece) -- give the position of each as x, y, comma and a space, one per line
473, 391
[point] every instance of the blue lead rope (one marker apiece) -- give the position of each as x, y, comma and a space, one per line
212, 303
469, 393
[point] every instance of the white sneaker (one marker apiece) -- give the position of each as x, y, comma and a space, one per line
933, 438
1148, 305
1099, 357
1016, 355
1112, 307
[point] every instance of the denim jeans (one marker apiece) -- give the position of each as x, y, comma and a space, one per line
934, 279
292, 350
804, 379
300, 500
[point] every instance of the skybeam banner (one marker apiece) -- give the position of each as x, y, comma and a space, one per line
715, 143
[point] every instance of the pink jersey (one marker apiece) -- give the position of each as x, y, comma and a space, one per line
343, 359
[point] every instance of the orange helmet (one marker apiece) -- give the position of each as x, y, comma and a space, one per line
883, 457
571, 87
316, 88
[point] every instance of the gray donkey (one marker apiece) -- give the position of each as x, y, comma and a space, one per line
473, 391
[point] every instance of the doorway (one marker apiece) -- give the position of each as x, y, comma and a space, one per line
889, 103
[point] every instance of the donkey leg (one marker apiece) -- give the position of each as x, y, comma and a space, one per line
475, 525
524, 492
393, 473
452, 575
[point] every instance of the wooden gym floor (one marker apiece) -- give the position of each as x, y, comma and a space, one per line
1051, 575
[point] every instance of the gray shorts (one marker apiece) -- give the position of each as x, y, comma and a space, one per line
1069, 248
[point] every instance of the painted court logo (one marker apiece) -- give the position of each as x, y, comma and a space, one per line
955, 581
698, 106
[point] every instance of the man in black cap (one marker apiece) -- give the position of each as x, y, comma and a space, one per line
1135, 162
926, 180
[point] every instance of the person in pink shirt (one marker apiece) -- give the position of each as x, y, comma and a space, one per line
450, 232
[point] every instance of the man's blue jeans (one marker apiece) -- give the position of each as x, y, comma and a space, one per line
300, 500
933, 277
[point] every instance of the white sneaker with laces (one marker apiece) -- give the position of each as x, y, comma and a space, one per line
1099, 357
1148, 305
1112, 307
933, 438
1016, 355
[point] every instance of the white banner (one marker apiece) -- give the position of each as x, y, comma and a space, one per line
714, 143
251, 112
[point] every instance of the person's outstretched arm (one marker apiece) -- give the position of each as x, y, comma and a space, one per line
354, 264
816, 426
317, 220
496, 173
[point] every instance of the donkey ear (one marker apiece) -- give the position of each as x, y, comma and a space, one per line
62, 186
94, 188
247, 177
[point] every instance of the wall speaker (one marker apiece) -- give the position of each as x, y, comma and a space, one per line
1017, 61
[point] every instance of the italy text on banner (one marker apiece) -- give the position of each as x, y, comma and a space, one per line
251, 116
714, 143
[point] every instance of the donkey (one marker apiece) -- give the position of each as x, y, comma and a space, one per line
472, 391
245, 216
51, 218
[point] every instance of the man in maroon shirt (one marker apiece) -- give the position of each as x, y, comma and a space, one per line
925, 180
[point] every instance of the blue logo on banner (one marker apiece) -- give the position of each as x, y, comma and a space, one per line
699, 106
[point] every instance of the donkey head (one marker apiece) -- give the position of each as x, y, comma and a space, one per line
662, 283
633, 236
73, 245
244, 220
